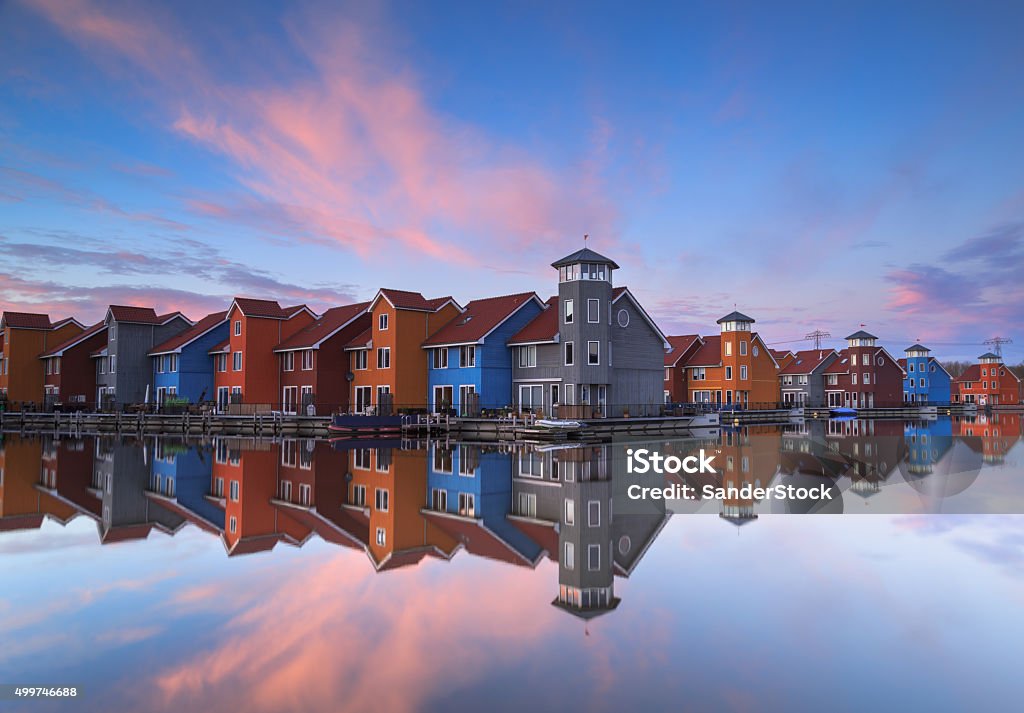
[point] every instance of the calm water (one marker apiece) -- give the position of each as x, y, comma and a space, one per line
237, 574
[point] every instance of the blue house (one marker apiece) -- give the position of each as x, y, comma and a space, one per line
469, 496
469, 355
927, 444
180, 482
182, 365
924, 378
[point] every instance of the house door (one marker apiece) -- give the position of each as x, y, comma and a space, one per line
442, 398
531, 397
602, 399
463, 398
222, 398
363, 398
288, 399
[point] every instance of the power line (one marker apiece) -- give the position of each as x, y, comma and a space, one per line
817, 335
997, 344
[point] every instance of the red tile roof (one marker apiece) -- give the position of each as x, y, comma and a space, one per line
479, 318
679, 344
220, 348
197, 330
840, 365
66, 320
27, 320
710, 354
476, 537
361, 340
971, 373
439, 302
68, 343
542, 328
404, 299
807, 361
332, 321
139, 315
265, 308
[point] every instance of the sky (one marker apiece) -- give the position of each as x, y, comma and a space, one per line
817, 166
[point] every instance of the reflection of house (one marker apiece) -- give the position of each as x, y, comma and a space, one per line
23, 337
991, 435
314, 364
925, 380
469, 354
681, 348
802, 380
593, 352
864, 375
182, 365
23, 505
874, 449
180, 481
927, 442
70, 374
748, 456
987, 383
469, 496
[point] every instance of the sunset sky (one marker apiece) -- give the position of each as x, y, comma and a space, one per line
818, 166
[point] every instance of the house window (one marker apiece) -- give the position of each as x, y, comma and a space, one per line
382, 322
984, 372
594, 558
467, 504
381, 536
594, 353
159, 365
910, 367
867, 378
113, 332
384, 357
569, 355
697, 373
570, 511
238, 328
853, 360
593, 311
853, 379
289, 361
743, 369
528, 356
233, 524
359, 357
668, 373
728, 373
113, 364
802, 379
594, 513
755, 351
623, 318
728, 348
222, 362
441, 358
569, 558
380, 499
235, 491
307, 360
439, 499
467, 356
568, 311
237, 361
361, 458
173, 363
743, 348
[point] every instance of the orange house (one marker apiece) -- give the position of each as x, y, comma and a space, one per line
23, 337
388, 486
681, 348
987, 383
388, 365
734, 367
247, 375
27, 468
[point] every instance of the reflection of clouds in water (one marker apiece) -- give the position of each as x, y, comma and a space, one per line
993, 539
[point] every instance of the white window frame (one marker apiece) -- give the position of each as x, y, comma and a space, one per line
383, 357
594, 363
238, 327
593, 317
568, 312
569, 354
236, 361
382, 322
307, 353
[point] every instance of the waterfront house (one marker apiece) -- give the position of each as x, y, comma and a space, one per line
874, 448
469, 355
593, 351
987, 383
247, 374
387, 361
864, 375
69, 369
183, 366
734, 367
23, 337
23, 504
783, 357
988, 435
124, 372
313, 364
802, 380
180, 480
681, 348
925, 380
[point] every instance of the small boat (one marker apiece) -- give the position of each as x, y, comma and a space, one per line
843, 411
969, 406
559, 424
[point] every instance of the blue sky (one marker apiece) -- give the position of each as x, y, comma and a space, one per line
817, 165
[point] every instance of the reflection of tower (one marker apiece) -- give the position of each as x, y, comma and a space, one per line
749, 456
586, 586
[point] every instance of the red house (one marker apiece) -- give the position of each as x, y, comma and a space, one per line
247, 374
69, 370
314, 364
987, 383
864, 376
681, 348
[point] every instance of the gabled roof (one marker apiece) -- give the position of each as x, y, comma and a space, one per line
222, 348
404, 299
971, 373
268, 309
585, 255
67, 320
709, 354
806, 361
25, 320
679, 345
541, 329
781, 353
480, 318
203, 326
482, 541
619, 292
78, 339
861, 334
328, 325
917, 348
840, 365
735, 317
363, 340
